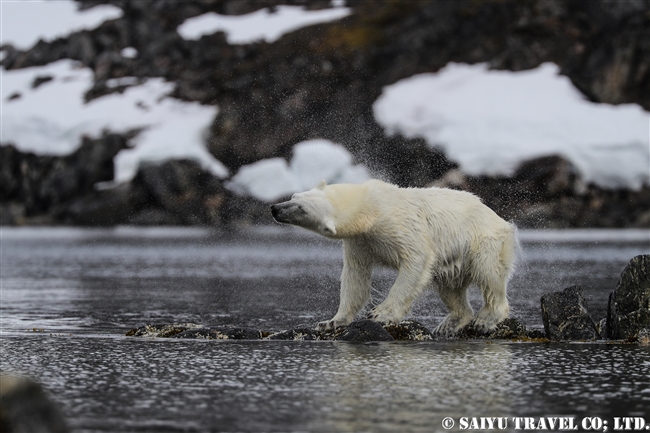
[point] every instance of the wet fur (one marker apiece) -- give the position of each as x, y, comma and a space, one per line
433, 237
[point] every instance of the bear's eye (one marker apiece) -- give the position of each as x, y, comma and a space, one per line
300, 208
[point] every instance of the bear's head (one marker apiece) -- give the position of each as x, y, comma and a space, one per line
311, 209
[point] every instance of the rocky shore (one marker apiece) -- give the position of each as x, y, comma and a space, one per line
47, 190
321, 82
565, 315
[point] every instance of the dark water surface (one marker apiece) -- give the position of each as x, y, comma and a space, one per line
69, 295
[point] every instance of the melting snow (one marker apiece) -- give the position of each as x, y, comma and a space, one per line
52, 118
258, 25
489, 121
312, 161
25, 22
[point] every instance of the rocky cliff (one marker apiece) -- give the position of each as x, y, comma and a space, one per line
320, 82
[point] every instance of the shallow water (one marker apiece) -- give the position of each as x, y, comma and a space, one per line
84, 288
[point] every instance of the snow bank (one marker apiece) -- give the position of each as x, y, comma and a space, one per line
25, 22
312, 161
51, 118
258, 25
490, 121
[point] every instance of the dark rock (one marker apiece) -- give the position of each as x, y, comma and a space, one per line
409, 330
44, 183
643, 337
25, 407
549, 176
104, 208
221, 334
536, 334
162, 331
365, 330
187, 193
41, 79
297, 334
191, 330
566, 316
508, 329
629, 303
601, 327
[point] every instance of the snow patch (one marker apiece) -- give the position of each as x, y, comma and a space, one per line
490, 121
312, 161
51, 118
259, 25
25, 22
265, 180
129, 53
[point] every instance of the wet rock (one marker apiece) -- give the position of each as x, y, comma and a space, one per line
629, 303
299, 334
566, 316
221, 334
365, 330
601, 327
409, 330
160, 330
536, 334
508, 329
25, 407
643, 337
192, 330
362, 330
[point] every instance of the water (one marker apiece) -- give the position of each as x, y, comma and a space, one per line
69, 295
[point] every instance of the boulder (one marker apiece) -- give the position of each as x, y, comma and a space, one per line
551, 176
365, 330
409, 330
566, 316
161, 330
299, 334
25, 407
508, 329
226, 333
643, 337
629, 304
183, 189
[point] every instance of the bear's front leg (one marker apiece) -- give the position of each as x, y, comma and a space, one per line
355, 289
412, 280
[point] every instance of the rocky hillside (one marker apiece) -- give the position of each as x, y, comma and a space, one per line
320, 82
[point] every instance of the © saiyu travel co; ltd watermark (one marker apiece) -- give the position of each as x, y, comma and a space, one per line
551, 423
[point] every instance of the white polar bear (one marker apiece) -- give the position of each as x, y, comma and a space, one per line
432, 236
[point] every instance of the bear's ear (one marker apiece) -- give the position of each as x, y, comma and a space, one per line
321, 185
330, 228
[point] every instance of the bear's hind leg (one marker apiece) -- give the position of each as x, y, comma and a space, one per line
495, 308
454, 296
492, 275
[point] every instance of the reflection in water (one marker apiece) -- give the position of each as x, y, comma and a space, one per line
389, 386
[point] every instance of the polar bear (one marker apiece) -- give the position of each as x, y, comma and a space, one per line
433, 237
